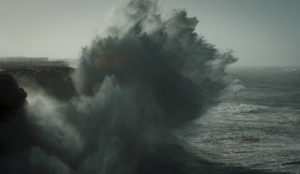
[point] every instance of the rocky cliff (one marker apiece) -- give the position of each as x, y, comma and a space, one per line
12, 97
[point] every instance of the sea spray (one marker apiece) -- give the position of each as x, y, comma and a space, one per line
146, 78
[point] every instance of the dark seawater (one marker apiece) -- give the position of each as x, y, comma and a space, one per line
255, 129
258, 127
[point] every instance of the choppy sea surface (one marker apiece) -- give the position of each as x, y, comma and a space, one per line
257, 126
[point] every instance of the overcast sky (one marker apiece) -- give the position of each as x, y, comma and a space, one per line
261, 32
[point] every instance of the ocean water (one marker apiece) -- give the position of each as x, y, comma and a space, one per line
257, 127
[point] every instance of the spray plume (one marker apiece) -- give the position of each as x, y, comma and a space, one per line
147, 78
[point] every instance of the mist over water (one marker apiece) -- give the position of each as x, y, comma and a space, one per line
148, 77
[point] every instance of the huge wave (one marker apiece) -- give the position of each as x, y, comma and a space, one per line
144, 80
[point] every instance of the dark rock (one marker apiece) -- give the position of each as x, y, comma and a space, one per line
55, 81
12, 97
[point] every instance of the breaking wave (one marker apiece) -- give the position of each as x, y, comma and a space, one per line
138, 85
